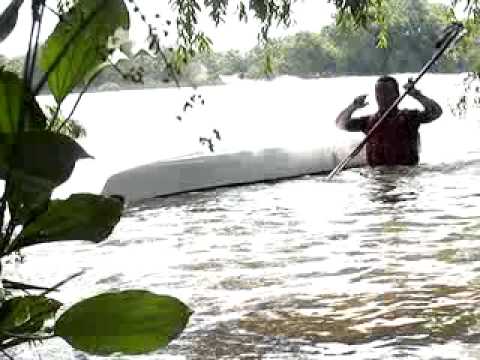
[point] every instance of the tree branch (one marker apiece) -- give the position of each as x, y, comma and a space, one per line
63, 282
14, 285
27, 337
7, 355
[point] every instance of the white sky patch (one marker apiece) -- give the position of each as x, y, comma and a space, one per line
308, 15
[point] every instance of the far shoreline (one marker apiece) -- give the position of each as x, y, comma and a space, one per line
114, 87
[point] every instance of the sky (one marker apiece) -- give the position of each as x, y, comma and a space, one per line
308, 15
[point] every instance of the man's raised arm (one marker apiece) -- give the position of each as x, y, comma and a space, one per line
432, 110
346, 122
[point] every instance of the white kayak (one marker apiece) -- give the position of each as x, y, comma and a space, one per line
164, 178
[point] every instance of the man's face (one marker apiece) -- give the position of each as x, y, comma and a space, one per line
386, 94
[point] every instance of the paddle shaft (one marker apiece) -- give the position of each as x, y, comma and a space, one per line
424, 70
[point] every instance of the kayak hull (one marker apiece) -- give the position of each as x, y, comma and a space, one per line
165, 178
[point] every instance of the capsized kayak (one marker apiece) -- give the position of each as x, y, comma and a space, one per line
164, 178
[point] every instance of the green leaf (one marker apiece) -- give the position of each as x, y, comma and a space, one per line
40, 161
80, 217
86, 30
12, 95
45, 155
128, 322
8, 19
27, 198
42, 154
26, 315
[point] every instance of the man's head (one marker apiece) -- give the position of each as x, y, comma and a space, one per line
386, 92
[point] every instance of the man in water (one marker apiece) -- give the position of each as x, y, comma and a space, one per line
396, 140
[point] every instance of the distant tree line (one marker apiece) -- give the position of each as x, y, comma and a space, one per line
348, 50
414, 27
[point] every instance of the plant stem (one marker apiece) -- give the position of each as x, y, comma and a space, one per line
14, 285
11, 343
54, 116
29, 66
35, 46
19, 339
63, 282
54, 12
27, 78
3, 208
7, 355
26, 337
115, 66
27, 74
26, 65
8, 236
10, 228
171, 71
84, 90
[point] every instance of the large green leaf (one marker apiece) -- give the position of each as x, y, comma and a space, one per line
128, 322
80, 217
12, 96
38, 161
27, 198
45, 155
26, 314
87, 43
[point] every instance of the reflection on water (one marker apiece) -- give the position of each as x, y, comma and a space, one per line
381, 263
378, 264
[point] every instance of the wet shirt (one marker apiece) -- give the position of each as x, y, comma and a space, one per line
396, 140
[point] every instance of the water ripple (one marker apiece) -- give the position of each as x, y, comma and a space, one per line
388, 267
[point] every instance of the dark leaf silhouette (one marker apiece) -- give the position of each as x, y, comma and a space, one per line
8, 19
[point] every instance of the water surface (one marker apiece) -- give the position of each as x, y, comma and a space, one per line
378, 264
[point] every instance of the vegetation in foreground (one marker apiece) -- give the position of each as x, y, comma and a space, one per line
38, 153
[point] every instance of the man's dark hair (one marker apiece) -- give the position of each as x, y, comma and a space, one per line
388, 79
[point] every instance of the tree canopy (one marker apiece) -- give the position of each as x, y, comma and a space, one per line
404, 26
403, 44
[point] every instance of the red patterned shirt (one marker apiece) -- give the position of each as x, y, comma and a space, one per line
396, 140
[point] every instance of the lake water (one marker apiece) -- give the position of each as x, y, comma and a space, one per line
379, 264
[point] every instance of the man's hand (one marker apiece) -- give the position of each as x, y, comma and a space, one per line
410, 88
432, 110
359, 102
